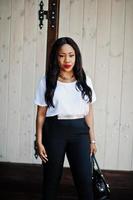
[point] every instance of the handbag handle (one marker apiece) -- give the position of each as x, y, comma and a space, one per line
101, 187
94, 162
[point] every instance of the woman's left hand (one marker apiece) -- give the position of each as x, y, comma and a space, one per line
93, 149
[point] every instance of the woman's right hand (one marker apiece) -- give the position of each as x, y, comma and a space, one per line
42, 152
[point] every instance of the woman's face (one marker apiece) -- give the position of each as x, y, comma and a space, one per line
66, 58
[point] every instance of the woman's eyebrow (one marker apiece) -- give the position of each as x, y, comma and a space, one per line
66, 53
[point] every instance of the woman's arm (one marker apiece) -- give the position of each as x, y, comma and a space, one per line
90, 122
40, 118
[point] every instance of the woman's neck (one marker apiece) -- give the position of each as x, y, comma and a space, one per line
66, 77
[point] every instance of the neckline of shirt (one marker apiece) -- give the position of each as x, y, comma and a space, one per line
66, 83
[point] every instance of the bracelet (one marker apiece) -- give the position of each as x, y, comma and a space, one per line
93, 142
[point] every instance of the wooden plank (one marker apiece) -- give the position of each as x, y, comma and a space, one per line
16, 56
125, 160
28, 81
5, 21
64, 17
101, 75
52, 30
89, 36
76, 20
40, 67
114, 85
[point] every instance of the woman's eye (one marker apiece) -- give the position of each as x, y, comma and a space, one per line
71, 55
61, 56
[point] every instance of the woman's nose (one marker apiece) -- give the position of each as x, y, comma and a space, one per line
66, 58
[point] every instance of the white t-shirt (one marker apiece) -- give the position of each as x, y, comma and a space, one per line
67, 99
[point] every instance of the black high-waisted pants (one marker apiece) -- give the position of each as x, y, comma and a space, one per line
70, 136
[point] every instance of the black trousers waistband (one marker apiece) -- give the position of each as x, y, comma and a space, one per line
54, 127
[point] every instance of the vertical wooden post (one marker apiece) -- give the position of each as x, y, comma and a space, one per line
53, 24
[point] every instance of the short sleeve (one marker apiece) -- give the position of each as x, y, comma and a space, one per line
89, 83
40, 93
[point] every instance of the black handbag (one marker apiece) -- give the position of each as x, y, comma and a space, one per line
101, 189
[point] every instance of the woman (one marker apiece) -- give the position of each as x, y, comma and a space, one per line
64, 122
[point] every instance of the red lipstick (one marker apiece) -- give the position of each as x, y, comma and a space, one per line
67, 65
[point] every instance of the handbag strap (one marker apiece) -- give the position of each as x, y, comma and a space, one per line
94, 162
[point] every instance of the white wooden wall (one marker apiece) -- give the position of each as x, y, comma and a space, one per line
22, 62
103, 29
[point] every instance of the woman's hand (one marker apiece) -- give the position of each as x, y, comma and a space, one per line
42, 152
93, 148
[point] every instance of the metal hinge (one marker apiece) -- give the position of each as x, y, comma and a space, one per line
50, 14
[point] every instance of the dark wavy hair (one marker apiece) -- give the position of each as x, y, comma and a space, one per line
53, 70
